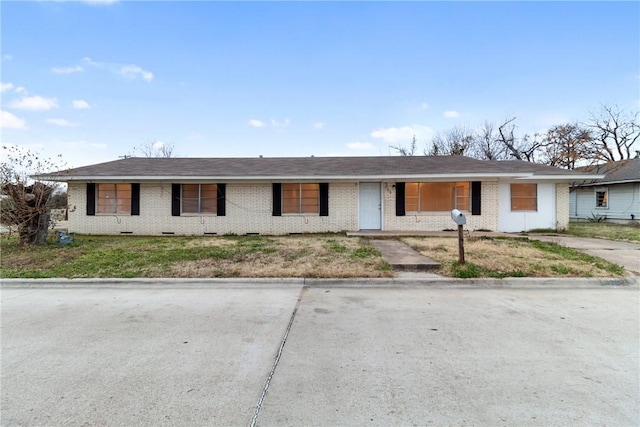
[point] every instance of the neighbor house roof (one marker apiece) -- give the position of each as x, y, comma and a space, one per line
329, 168
620, 172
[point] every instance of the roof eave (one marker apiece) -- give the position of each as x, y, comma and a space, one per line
599, 183
277, 178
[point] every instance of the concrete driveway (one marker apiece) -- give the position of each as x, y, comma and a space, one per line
626, 254
346, 355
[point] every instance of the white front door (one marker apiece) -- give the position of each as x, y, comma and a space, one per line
370, 207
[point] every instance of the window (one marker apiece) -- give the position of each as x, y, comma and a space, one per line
602, 198
300, 198
524, 197
436, 196
199, 198
114, 198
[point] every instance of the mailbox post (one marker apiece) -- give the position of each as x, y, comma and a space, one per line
459, 218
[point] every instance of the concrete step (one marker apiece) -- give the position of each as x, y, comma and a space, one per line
401, 257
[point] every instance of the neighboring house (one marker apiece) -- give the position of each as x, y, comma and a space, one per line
616, 197
208, 196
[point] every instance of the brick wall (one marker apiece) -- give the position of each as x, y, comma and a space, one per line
248, 210
562, 206
438, 221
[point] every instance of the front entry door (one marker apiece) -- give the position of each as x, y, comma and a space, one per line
370, 215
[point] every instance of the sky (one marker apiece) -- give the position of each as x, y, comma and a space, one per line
91, 80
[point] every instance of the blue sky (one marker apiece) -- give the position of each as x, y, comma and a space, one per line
91, 80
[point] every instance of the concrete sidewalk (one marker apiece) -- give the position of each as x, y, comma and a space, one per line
626, 254
401, 257
319, 355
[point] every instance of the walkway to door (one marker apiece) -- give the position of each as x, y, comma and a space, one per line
401, 257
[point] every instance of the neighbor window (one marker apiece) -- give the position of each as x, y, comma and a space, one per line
300, 198
436, 196
114, 198
199, 198
602, 198
524, 197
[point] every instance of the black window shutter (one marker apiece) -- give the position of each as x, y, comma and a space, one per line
175, 199
324, 199
135, 199
277, 199
222, 194
476, 197
400, 199
91, 199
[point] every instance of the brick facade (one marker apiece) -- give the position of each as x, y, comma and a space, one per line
249, 210
562, 206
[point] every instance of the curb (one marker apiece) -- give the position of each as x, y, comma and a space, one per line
431, 282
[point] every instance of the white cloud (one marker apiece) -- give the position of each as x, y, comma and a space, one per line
5, 87
360, 146
403, 134
424, 105
10, 121
194, 135
80, 104
89, 61
278, 124
20, 89
61, 122
157, 145
132, 71
35, 103
7, 57
67, 70
256, 123
451, 114
319, 125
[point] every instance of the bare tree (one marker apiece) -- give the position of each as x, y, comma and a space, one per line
567, 146
155, 149
521, 148
456, 141
406, 151
615, 131
28, 206
486, 146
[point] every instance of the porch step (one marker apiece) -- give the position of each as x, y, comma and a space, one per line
401, 257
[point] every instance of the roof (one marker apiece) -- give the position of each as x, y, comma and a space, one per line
620, 172
329, 168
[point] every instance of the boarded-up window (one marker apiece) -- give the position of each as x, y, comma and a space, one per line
436, 196
602, 198
300, 198
114, 198
524, 197
199, 198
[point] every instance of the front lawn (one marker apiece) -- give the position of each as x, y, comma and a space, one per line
509, 257
603, 230
331, 256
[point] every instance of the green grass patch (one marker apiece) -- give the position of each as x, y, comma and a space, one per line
602, 230
365, 252
336, 247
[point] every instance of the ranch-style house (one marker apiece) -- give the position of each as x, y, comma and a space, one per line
275, 196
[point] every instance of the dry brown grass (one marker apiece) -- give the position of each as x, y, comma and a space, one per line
505, 257
291, 256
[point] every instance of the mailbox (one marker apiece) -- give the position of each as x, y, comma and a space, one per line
458, 217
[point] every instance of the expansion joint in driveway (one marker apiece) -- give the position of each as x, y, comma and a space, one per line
256, 413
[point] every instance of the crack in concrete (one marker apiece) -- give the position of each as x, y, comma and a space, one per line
258, 409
